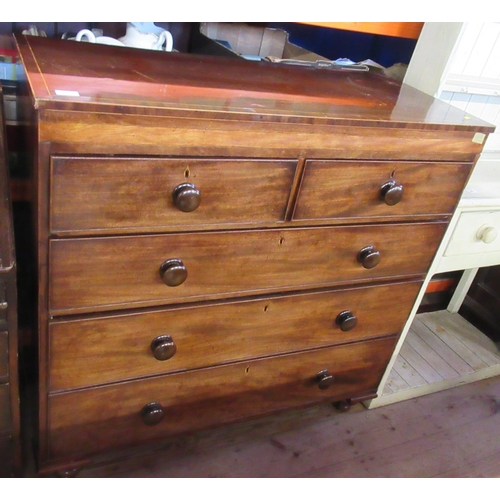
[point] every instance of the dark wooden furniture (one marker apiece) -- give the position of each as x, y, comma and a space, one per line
481, 306
10, 450
220, 240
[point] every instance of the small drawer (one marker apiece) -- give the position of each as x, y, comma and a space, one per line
475, 232
342, 190
93, 420
120, 347
162, 194
90, 274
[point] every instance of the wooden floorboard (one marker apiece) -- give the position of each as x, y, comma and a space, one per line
467, 334
419, 363
395, 383
438, 346
470, 336
408, 373
441, 350
438, 364
452, 339
453, 433
485, 467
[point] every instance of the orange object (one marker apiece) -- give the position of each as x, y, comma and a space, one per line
403, 30
440, 285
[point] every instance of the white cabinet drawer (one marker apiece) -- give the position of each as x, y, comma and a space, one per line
475, 232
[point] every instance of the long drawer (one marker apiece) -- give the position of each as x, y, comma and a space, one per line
94, 194
113, 272
127, 346
93, 420
343, 190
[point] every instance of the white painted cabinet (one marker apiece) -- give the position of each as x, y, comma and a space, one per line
458, 63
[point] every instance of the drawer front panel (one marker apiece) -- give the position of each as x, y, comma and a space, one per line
475, 232
338, 190
93, 420
106, 273
119, 347
95, 194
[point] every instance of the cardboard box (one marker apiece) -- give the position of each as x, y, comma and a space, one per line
256, 43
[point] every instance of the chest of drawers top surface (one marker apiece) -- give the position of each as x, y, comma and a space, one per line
71, 75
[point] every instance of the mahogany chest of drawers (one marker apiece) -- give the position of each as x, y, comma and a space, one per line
220, 240
10, 446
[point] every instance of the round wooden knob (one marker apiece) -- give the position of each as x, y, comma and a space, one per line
487, 234
173, 272
186, 197
391, 192
324, 379
346, 320
152, 413
163, 347
369, 257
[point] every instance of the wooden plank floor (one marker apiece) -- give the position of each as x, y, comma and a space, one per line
453, 433
442, 350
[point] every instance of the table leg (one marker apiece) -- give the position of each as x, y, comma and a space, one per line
462, 289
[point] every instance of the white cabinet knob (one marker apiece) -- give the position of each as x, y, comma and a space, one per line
487, 234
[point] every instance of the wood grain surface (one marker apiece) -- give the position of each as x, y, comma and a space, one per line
116, 76
114, 348
92, 194
108, 273
344, 190
94, 420
253, 311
